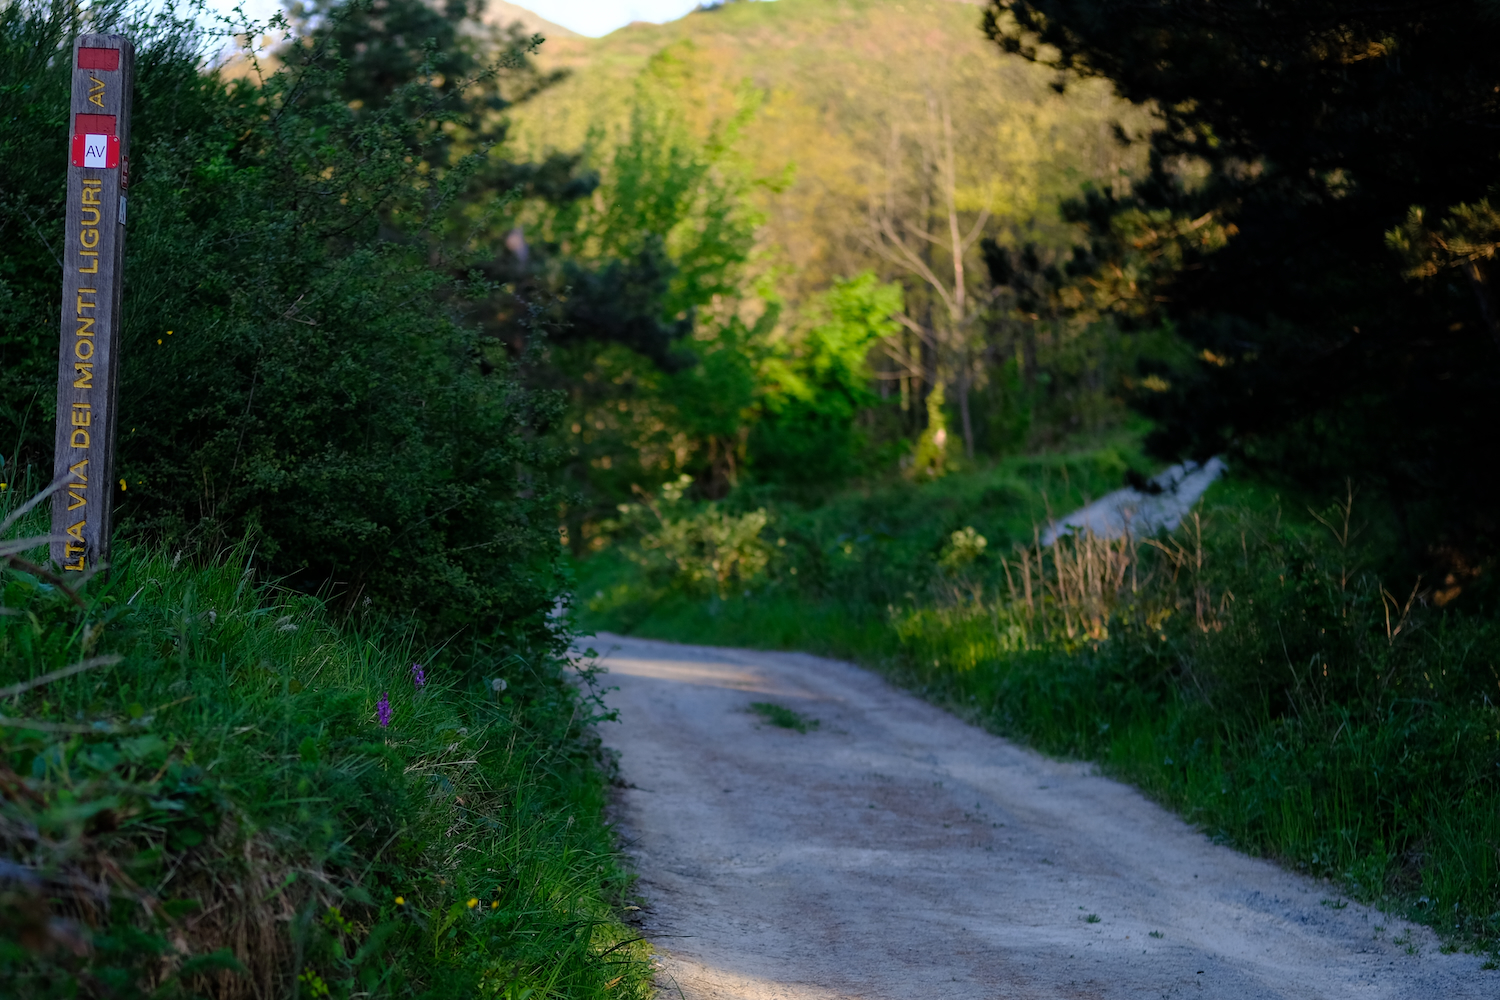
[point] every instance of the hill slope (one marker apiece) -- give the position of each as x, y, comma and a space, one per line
841, 84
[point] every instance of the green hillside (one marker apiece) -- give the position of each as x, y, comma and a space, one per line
839, 86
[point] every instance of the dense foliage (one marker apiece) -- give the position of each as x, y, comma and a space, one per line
761, 166
299, 369
1307, 132
211, 786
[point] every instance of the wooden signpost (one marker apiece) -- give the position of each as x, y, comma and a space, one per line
93, 262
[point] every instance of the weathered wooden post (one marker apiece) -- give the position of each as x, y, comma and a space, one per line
93, 262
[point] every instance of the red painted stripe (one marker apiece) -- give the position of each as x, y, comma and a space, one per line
95, 124
105, 59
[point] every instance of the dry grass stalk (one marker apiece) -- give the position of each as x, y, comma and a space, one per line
1076, 584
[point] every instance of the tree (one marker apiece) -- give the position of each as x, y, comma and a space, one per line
1304, 132
926, 224
814, 387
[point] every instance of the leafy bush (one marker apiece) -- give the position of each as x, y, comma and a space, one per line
702, 551
297, 369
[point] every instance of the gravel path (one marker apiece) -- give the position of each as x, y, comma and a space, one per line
897, 852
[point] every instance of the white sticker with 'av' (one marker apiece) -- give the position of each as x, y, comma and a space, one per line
95, 150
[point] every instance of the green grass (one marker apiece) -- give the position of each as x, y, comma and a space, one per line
1262, 693
780, 715
216, 807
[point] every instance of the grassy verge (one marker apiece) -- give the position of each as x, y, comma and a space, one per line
1252, 671
235, 794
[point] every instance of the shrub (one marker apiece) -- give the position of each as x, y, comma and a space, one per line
703, 550
297, 366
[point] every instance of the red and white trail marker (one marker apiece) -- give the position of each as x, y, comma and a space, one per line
95, 143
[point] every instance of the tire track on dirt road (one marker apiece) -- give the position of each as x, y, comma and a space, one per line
898, 852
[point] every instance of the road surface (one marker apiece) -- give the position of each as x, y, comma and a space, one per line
898, 852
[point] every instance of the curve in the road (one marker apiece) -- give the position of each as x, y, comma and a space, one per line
897, 852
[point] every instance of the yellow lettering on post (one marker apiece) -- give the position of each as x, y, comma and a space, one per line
78, 501
80, 439
83, 238
85, 326
85, 372
77, 530
90, 222
82, 305
96, 92
78, 349
81, 410
91, 192
77, 469
90, 270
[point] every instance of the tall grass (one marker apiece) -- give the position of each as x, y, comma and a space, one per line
1251, 670
233, 793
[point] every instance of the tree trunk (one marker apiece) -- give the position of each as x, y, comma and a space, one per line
1028, 355
965, 380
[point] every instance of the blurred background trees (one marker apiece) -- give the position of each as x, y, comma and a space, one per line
770, 247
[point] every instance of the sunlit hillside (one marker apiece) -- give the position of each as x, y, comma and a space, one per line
854, 101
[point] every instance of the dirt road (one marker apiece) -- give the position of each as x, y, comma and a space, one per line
896, 852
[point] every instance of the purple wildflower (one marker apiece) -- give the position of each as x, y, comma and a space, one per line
383, 710
418, 676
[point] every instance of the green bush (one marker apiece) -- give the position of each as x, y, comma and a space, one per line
297, 368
